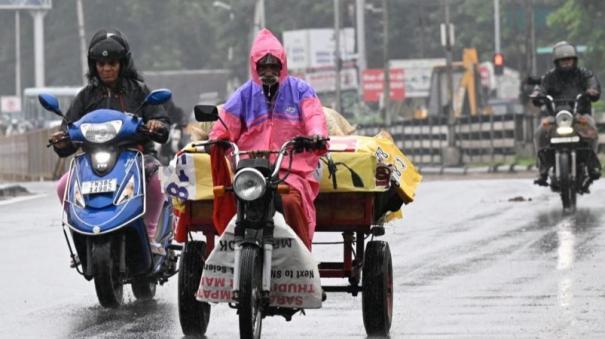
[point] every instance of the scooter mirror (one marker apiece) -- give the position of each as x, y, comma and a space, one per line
50, 103
205, 113
158, 97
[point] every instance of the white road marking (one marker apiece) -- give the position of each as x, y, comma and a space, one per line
19, 199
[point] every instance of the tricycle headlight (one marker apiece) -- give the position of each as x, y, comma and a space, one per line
249, 184
101, 132
564, 120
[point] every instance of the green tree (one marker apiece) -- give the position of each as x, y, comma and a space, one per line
580, 22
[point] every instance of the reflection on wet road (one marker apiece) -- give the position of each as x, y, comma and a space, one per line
469, 262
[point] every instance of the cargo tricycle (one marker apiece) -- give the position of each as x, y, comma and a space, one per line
257, 265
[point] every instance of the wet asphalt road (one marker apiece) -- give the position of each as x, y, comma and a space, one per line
468, 263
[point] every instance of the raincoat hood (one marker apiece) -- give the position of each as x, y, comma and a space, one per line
266, 43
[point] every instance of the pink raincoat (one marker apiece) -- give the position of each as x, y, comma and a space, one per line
297, 111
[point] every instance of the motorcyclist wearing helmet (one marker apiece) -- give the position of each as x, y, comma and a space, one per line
566, 81
114, 83
271, 109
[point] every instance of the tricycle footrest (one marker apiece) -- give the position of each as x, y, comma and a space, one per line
348, 289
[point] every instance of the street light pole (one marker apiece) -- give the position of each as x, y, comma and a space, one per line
451, 155
259, 16
497, 26
38, 16
386, 63
361, 35
18, 53
337, 56
497, 38
82, 36
449, 61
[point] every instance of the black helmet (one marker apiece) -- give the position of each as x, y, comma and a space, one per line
108, 49
563, 50
111, 45
106, 45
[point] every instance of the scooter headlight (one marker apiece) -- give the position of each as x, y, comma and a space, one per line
127, 192
102, 161
102, 158
102, 132
564, 120
249, 184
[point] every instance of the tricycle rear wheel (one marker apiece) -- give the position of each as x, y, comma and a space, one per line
193, 315
377, 284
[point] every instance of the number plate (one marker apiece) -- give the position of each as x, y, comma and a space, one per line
99, 186
565, 140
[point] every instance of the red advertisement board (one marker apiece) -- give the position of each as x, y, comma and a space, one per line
372, 82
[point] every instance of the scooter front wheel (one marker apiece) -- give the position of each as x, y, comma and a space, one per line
143, 288
250, 290
106, 272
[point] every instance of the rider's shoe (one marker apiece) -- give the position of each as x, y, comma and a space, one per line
157, 248
594, 173
324, 296
542, 180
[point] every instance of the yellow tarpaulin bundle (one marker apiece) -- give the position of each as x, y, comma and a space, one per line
361, 155
191, 179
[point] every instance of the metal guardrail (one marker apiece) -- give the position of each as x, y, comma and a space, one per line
481, 139
26, 157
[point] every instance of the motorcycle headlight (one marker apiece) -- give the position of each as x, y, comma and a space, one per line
100, 133
127, 192
564, 120
249, 184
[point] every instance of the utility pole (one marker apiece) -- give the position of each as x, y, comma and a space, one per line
361, 35
259, 16
38, 16
18, 53
386, 96
497, 37
451, 154
449, 61
532, 39
82, 35
337, 56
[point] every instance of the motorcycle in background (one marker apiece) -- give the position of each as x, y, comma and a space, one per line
571, 152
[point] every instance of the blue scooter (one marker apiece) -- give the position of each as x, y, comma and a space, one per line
104, 204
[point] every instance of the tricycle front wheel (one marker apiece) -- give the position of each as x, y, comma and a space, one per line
250, 293
377, 284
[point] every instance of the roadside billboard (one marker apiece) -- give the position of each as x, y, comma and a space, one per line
25, 4
372, 82
314, 48
417, 75
10, 104
325, 80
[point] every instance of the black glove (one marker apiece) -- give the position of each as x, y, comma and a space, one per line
592, 94
537, 99
310, 143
